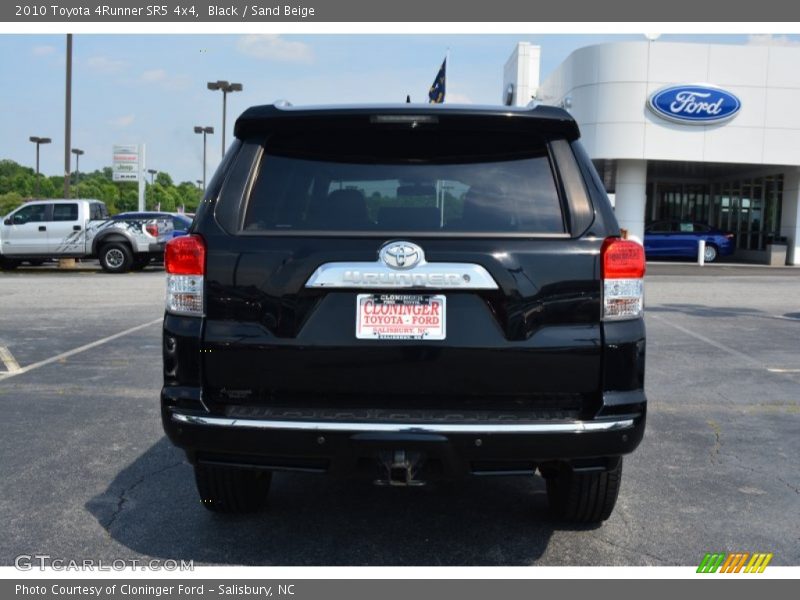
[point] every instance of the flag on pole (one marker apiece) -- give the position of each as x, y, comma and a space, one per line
436, 93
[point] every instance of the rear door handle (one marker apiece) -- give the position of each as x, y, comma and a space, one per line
42, 228
76, 227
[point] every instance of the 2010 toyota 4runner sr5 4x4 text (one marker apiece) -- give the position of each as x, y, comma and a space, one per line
413, 292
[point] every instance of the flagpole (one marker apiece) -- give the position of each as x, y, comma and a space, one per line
446, 72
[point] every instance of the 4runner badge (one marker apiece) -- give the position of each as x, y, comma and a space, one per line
401, 255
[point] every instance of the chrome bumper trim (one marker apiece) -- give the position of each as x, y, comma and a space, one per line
569, 427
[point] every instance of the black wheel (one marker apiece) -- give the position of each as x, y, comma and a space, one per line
231, 489
583, 497
711, 253
8, 264
116, 258
140, 262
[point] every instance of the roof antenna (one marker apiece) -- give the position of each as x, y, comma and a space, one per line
408, 99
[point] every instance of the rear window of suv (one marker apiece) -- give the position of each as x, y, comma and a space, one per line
411, 181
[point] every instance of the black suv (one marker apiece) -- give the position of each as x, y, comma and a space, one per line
412, 292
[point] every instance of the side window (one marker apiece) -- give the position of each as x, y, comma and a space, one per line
30, 214
700, 228
661, 227
65, 212
687, 228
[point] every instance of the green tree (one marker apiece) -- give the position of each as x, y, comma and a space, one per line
8, 202
17, 184
164, 179
190, 196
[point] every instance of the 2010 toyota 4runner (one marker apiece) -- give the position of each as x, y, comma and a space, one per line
411, 291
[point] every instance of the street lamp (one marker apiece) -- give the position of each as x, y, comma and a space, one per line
78, 153
205, 131
225, 87
38, 141
199, 183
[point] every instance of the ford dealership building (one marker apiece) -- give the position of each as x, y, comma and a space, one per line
705, 133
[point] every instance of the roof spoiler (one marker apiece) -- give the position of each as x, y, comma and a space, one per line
270, 118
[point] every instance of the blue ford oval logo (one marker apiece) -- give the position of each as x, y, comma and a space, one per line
694, 104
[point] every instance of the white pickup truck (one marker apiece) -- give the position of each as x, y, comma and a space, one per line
44, 229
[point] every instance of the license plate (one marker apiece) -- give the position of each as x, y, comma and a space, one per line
400, 317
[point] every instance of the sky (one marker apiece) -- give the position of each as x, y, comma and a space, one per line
151, 89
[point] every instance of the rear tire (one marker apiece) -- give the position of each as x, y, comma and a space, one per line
116, 258
583, 497
231, 489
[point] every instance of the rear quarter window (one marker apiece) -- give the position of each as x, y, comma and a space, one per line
382, 181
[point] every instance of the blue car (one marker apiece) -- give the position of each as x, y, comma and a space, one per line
679, 239
180, 222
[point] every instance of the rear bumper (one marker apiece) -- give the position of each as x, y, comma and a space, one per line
451, 449
435, 428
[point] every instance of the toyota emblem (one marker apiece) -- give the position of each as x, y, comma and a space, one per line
401, 255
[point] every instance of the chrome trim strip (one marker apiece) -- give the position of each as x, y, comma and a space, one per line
571, 427
455, 276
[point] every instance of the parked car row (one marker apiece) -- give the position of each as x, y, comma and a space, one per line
50, 229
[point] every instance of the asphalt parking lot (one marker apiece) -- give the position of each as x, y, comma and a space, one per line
86, 471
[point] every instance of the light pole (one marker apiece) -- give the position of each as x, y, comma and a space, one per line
78, 153
199, 183
226, 88
38, 141
205, 131
68, 117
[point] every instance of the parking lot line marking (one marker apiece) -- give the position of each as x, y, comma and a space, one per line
12, 366
784, 370
710, 342
74, 351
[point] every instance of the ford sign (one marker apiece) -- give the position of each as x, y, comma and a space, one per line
694, 104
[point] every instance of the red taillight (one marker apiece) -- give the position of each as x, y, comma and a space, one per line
185, 255
623, 279
152, 229
622, 259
